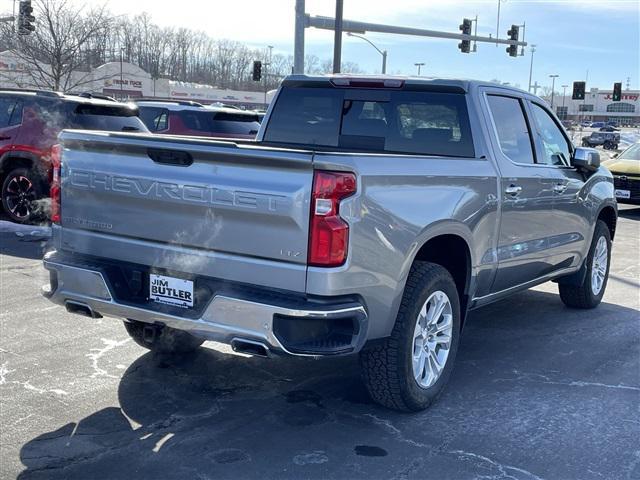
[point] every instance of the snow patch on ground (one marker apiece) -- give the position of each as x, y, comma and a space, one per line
25, 231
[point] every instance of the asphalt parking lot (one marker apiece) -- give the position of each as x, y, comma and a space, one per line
539, 391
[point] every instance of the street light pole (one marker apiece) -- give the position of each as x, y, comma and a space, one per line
533, 50
498, 21
420, 64
267, 64
564, 94
553, 87
381, 52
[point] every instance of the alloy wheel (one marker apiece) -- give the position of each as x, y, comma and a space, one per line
19, 196
432, 339
599, 267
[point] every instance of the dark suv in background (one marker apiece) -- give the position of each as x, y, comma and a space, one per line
176, 117
30, 122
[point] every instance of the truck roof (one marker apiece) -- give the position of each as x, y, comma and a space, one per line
462, 84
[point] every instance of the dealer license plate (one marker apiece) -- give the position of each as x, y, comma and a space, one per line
171, 290
623, 193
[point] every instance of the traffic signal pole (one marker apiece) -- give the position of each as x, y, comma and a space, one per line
327, 23
337, 39
303, 20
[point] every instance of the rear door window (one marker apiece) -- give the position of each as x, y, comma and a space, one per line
235, 123
430, 123
512, 128
196, 120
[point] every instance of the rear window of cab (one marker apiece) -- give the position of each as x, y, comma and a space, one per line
409, 122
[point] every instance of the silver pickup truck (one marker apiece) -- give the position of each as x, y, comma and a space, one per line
369, 216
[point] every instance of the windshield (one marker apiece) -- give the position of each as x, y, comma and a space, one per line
430, 123
631, 153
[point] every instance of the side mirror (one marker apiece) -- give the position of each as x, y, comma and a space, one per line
586, 159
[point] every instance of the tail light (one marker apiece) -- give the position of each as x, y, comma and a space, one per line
56, 162
328, 233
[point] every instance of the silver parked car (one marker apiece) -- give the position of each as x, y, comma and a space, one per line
369, 217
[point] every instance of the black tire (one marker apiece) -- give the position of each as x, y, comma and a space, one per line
583, 296
387, 368
160, 339
22, 192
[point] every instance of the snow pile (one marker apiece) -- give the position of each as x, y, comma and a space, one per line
29, 232
628, 138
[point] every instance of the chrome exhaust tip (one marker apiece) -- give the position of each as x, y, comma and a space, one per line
249, 347
81, 309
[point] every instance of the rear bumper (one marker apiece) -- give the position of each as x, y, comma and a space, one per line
303, 326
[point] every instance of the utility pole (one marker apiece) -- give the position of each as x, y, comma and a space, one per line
553, 87
421, 64
533, 50
337, 39
298, 48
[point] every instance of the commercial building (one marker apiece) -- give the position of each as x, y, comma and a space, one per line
127, 81
598, 106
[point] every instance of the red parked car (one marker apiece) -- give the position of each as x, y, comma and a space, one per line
176, 117
30, 122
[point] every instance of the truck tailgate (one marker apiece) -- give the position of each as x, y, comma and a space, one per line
191, 205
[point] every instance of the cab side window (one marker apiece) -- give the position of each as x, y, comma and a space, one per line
512, 128
16, 116
556, 150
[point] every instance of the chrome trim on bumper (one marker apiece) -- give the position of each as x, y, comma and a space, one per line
225, 318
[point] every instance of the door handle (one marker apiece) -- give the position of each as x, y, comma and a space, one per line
559, 188
5, 137
513, 190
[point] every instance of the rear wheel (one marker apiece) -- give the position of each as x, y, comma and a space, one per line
589, 294
21, 191
410, 369
161, 339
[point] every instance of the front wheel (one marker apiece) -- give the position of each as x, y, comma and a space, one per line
589, 294
161, 339
410, 369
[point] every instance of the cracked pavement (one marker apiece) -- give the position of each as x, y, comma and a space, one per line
539, 392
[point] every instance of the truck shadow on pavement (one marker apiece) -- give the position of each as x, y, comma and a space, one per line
527, 368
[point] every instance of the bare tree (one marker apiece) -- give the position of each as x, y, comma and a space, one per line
56, 53
68, 43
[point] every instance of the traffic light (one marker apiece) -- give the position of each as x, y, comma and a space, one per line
257, 70
25, 18
617, 91
465, 28
578, 90
513, 33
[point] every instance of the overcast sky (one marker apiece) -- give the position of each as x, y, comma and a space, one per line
572, 36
